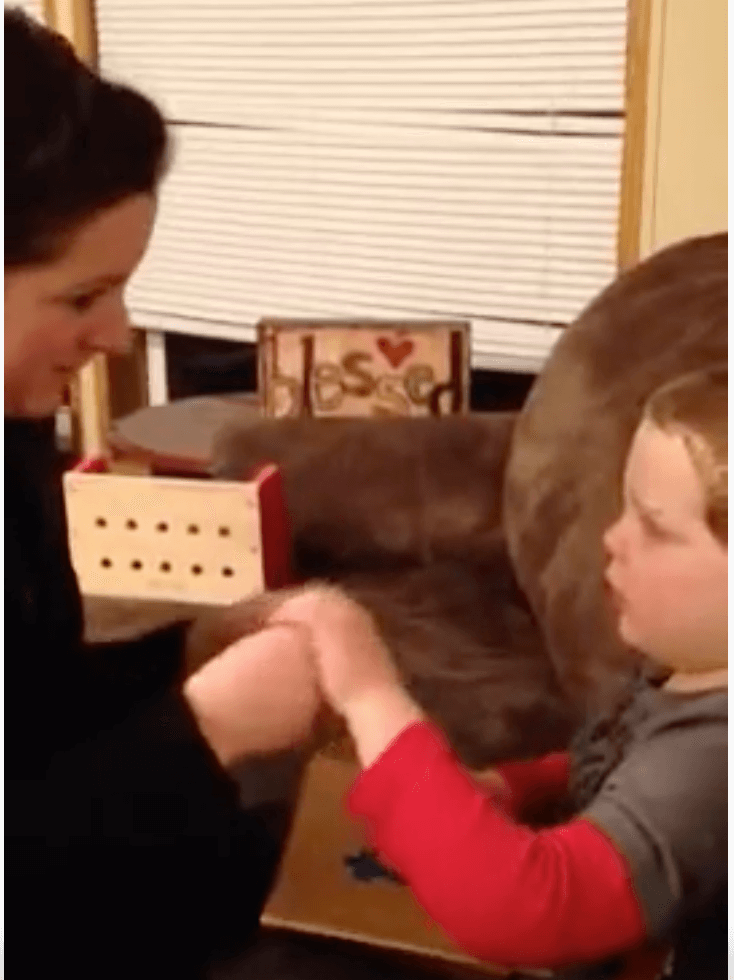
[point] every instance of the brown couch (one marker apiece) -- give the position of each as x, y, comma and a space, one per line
665, 317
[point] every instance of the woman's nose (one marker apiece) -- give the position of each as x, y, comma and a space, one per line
113, 334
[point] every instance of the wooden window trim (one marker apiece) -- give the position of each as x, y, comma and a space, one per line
639, 18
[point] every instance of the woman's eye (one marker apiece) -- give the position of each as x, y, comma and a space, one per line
80, 304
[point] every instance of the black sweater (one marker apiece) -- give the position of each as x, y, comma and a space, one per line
126, 851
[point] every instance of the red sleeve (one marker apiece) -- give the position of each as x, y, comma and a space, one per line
536, 780
504, 893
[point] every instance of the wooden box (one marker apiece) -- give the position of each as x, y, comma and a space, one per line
177, 540
363, 367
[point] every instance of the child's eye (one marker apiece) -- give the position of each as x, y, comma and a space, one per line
652, 529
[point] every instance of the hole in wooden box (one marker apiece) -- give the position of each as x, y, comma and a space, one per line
131, 525
196, 569
228, 572
136, 565
165, 566
106, 563
193, 529
224, 532
101, 522
162, 527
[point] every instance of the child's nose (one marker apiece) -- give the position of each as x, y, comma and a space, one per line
613, 539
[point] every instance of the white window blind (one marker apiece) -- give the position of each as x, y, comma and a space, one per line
380, 158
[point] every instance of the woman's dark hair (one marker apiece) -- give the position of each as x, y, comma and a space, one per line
74, 143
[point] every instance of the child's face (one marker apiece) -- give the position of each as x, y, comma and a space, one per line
667, 572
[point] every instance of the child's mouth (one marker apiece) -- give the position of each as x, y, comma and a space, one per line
614, 597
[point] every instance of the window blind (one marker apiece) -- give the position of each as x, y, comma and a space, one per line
380, 158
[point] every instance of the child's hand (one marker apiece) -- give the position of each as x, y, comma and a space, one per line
351, 659
356, 673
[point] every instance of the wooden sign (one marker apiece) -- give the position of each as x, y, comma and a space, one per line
363, 368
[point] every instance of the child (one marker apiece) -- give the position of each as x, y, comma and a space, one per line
646, 857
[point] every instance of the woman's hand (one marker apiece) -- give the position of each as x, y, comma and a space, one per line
355, 670
215, 629
260, 695
350, 656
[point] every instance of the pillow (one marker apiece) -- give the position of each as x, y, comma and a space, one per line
666, 316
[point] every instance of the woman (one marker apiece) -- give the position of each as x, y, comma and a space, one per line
128, 852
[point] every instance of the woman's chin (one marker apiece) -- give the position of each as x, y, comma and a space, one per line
41, 406
37, 401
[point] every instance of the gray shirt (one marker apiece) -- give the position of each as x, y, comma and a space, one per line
653, 778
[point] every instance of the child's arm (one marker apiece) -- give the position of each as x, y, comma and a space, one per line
649, 854
501, 891
655, 838
528, 783
375, 721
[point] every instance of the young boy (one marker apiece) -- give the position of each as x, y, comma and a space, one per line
646, 857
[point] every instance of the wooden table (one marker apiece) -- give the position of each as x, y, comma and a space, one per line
178, 438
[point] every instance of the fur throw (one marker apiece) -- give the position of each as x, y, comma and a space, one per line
405, 514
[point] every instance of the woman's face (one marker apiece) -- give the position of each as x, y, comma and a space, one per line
60, 313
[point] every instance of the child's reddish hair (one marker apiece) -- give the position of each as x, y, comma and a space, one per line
695, 406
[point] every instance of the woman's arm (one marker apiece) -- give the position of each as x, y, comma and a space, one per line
260, 695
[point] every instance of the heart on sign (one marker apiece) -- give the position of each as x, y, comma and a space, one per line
395, 353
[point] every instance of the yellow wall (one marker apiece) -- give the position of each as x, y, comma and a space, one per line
685, 179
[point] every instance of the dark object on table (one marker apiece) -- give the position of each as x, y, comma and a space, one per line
365, 867
209, 366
